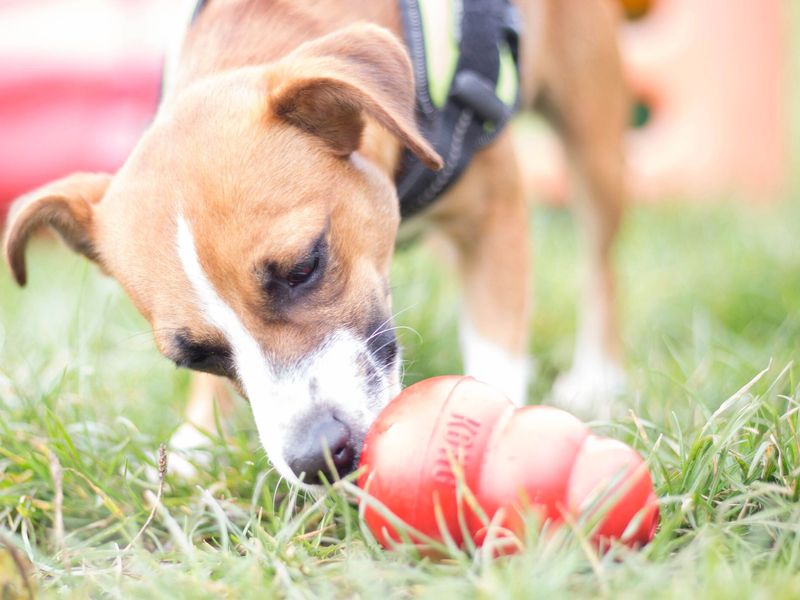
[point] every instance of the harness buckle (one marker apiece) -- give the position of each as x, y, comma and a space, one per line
476, 92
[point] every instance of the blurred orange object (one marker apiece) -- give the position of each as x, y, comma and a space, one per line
709, 79
635, 9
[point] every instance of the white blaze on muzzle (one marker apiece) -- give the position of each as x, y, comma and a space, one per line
334, 379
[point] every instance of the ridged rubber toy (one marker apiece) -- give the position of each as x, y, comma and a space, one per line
453, 433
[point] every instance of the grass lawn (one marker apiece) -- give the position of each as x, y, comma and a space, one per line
710, 300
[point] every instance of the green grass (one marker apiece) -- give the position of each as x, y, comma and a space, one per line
710, 297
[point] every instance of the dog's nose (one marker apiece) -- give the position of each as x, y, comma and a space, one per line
326, 436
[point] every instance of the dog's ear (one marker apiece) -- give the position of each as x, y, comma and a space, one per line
325, 87
65, 205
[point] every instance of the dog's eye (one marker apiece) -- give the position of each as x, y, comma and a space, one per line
303, 271
283, 283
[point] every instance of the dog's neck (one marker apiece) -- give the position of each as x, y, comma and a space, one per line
230, 34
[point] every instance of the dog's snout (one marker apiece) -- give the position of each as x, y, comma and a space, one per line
326, 443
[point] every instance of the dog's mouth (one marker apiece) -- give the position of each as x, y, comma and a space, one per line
312, 419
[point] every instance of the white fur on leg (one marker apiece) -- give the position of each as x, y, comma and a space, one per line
187, 441
590, 388
486, 361
595, 381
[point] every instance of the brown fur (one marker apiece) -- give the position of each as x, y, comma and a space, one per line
326, 86
66, 206
232, 149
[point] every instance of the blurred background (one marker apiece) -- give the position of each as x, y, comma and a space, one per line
79, 81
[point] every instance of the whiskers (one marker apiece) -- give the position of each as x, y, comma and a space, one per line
281, 479
382, 328
383, 383
152, 333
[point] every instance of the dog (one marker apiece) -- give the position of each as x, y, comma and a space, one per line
254, 223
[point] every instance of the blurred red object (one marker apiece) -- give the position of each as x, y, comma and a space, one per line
79, 82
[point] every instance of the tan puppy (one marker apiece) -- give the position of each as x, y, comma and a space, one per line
254, 224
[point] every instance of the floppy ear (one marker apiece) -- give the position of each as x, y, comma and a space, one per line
66, 206
325, 87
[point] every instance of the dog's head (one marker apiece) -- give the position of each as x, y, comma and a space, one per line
256, 240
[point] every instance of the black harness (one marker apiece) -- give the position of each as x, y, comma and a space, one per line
472, 114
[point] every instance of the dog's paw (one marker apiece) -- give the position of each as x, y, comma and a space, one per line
177, 466
487, 362
591, 390
186, 464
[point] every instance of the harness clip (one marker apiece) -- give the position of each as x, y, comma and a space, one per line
476, 92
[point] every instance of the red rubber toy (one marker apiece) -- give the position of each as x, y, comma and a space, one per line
452, 429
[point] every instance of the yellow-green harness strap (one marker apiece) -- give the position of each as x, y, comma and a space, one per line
465, 59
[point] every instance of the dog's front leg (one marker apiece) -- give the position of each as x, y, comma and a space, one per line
486, 218
209, 397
